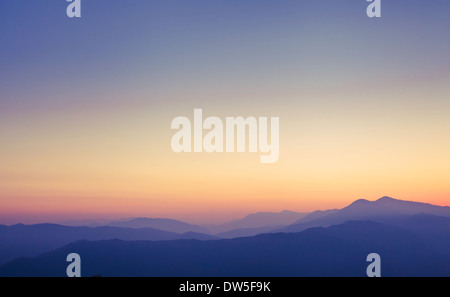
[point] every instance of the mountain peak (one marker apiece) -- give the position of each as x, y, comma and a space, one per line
387, 198
360, 202
387, 206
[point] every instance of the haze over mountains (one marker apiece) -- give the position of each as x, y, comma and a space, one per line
258, 220
161, 224
322, 243
254, 224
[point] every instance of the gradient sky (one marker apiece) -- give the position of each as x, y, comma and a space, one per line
86, 106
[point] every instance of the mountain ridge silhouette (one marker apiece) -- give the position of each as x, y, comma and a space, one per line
361, 209
339, 250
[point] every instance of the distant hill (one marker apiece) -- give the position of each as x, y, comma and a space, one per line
258, 220
86, 223
316, 215
160, 224
246, 232
339, 250
381, 210
30, 240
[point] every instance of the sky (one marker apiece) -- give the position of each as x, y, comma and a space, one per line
86, 106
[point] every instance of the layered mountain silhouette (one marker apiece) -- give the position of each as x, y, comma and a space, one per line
339, 250
30, 240
412, 238
384, 209
251, 224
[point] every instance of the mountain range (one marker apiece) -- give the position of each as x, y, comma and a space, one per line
339, 250
384, 209
412, 238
